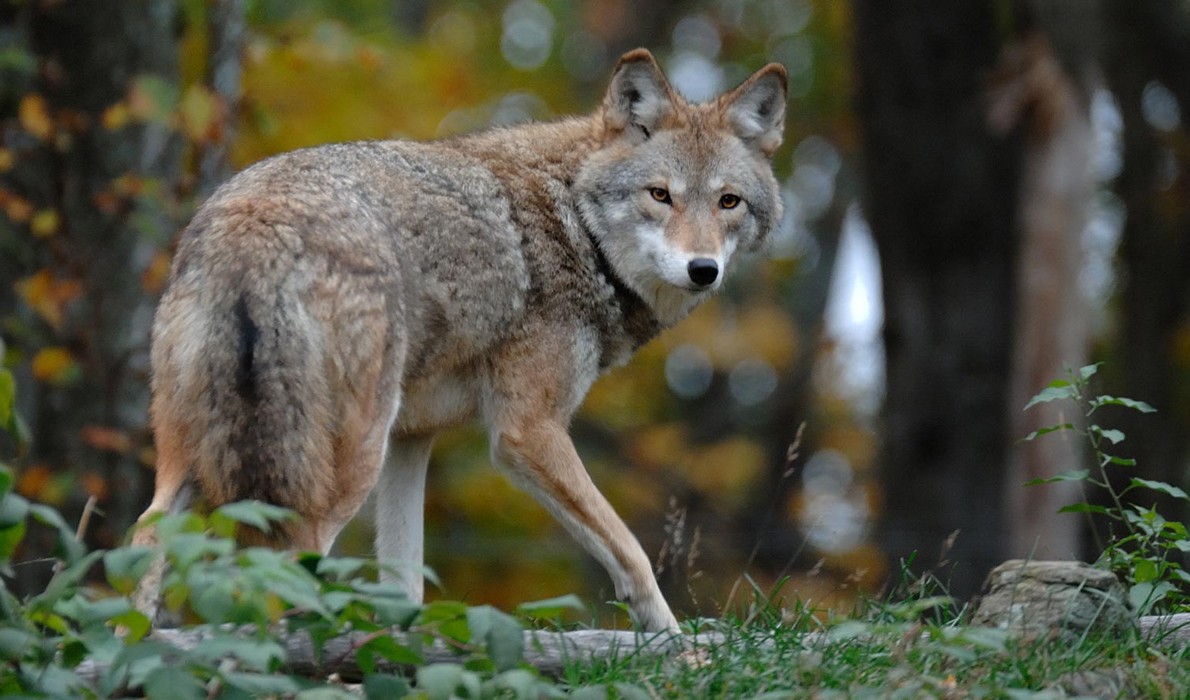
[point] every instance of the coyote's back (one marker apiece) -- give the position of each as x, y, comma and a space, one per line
333, 307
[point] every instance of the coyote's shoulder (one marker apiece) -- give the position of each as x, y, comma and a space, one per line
331, 307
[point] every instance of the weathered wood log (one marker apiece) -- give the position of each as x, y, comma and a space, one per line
548, 652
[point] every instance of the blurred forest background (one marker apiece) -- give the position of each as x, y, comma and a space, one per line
978, 194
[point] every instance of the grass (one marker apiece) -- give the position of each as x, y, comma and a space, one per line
913, 649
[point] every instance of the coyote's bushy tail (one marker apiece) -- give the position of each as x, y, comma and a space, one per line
241, 400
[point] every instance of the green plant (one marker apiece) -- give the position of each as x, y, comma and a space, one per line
246, 607
1144, 547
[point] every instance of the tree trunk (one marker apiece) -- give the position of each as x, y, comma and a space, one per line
941, 198
111, 185
1052, 329
1151, 41
226, 25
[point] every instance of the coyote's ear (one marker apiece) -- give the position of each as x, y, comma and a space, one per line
639, 96
756, 109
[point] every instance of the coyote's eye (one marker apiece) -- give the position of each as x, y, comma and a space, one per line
729, 201
660, 194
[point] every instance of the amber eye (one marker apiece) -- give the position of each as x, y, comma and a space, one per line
660, 194
729, 201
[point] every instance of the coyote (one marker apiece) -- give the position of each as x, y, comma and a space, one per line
329, 310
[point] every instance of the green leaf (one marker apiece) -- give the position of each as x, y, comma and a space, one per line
1046, 431
69, 547
172, 683
550, 607
1115, 437
186, 548
13, 510
1057, 391
396, 611
327, 692
1162, 487
591, 692
65, 581
390, 650
86, 611
1144, 570
253, 513
253, 654
629, 691
6, 480
8, 390
297, 590
1084, 508
1146, 595
15, 643
262, 684
439, 681
440, 610
1078, 475
341, 568
521, 683
215, 603
500, 633
1088, 371
126, 566
383, 686
135, 623
12, 534
1133, 404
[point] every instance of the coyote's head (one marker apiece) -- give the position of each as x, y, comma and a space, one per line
677, 188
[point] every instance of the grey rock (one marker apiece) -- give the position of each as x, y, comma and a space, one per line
1065, 599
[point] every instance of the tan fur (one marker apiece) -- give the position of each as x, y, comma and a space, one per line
330, 310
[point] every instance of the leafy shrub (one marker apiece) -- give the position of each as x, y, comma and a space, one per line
245, 605
1144, 548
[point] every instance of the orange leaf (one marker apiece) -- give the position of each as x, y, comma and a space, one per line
6, 160
128, 185
34, 113
18, 209
106, 439
116, 116
47, 295
34, 481
153, 278
37, 291
95, 485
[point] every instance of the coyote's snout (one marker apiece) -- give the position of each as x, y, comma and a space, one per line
330, 310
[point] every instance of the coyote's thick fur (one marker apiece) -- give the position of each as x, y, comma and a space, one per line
331, 309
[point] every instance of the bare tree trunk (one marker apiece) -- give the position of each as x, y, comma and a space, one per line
1151, 41
941, 198
1052, 329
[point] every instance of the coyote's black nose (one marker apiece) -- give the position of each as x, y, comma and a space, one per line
703, 271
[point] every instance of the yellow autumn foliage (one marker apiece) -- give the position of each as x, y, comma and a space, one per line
34, 114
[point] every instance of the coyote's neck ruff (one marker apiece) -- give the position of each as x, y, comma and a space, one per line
330, 310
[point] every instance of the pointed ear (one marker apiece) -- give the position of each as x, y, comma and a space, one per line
756, 109
639, 96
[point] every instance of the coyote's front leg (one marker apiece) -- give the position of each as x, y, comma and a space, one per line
540, 458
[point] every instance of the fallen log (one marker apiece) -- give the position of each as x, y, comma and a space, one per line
549, 652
